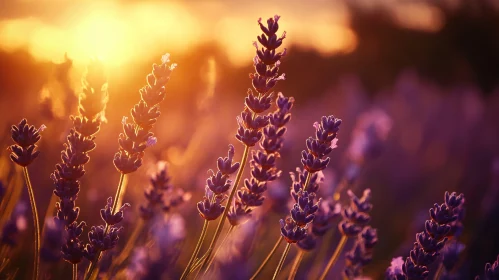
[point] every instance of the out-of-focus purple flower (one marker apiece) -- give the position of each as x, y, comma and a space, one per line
394, 272
25, 137
161, 194
52, 241
3, 189
370, 133
491, 271
450, 254
11, 231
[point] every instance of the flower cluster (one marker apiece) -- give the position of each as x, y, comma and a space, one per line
25, 136
361, 253
210, 208
431, 241
136, 136
16, 224
356, 216
491, 271
80, 141
103, 238
306, 183
160, 185
266, 63
263, 164
322, 223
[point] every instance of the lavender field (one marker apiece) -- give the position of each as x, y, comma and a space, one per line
232, 140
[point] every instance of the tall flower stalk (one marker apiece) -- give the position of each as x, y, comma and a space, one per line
266, 63
263, 167
23, 153
305, 186
68, 173
136, 137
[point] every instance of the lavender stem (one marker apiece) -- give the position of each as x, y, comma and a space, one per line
267, 259
117, 197
196, 251
335, 256
296, 264
128, 247
220, 246
281, 261
36, 223
218, 231
439, 271
75, 271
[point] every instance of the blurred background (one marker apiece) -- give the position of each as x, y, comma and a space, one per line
424, 74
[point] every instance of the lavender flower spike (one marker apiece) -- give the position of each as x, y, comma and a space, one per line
25, 136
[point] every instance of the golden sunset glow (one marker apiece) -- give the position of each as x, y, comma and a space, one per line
121, 32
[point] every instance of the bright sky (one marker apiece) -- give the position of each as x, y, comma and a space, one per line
121, 31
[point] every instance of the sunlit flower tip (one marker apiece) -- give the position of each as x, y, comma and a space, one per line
284, 52
395, 267
173, 66
165, 58
42, 128
151, 141
124, 120
317, 125
276, 18
259, 20
282, 77
334, 143
255, 44
278, 63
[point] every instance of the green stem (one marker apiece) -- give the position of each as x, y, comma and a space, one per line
36, 223
335, 256
196, 251
220, 225
75, 271
119, 193
267, 259
281, 261
296, 264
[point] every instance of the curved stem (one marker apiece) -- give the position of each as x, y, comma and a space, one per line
75, 271
196, 250
220, 225
117, 197
296, 264
335, 256
267, 259
307, 181
128, 247
36, 224
220, 246
281, 261
439, 271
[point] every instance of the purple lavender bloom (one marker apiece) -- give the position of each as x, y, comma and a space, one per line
266, 63
394, 272
303, 211
102, 238
361, 253
210, 208
450, 254
314, 158
263, 163
430, 242
356, 217
136, 136
25, 136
